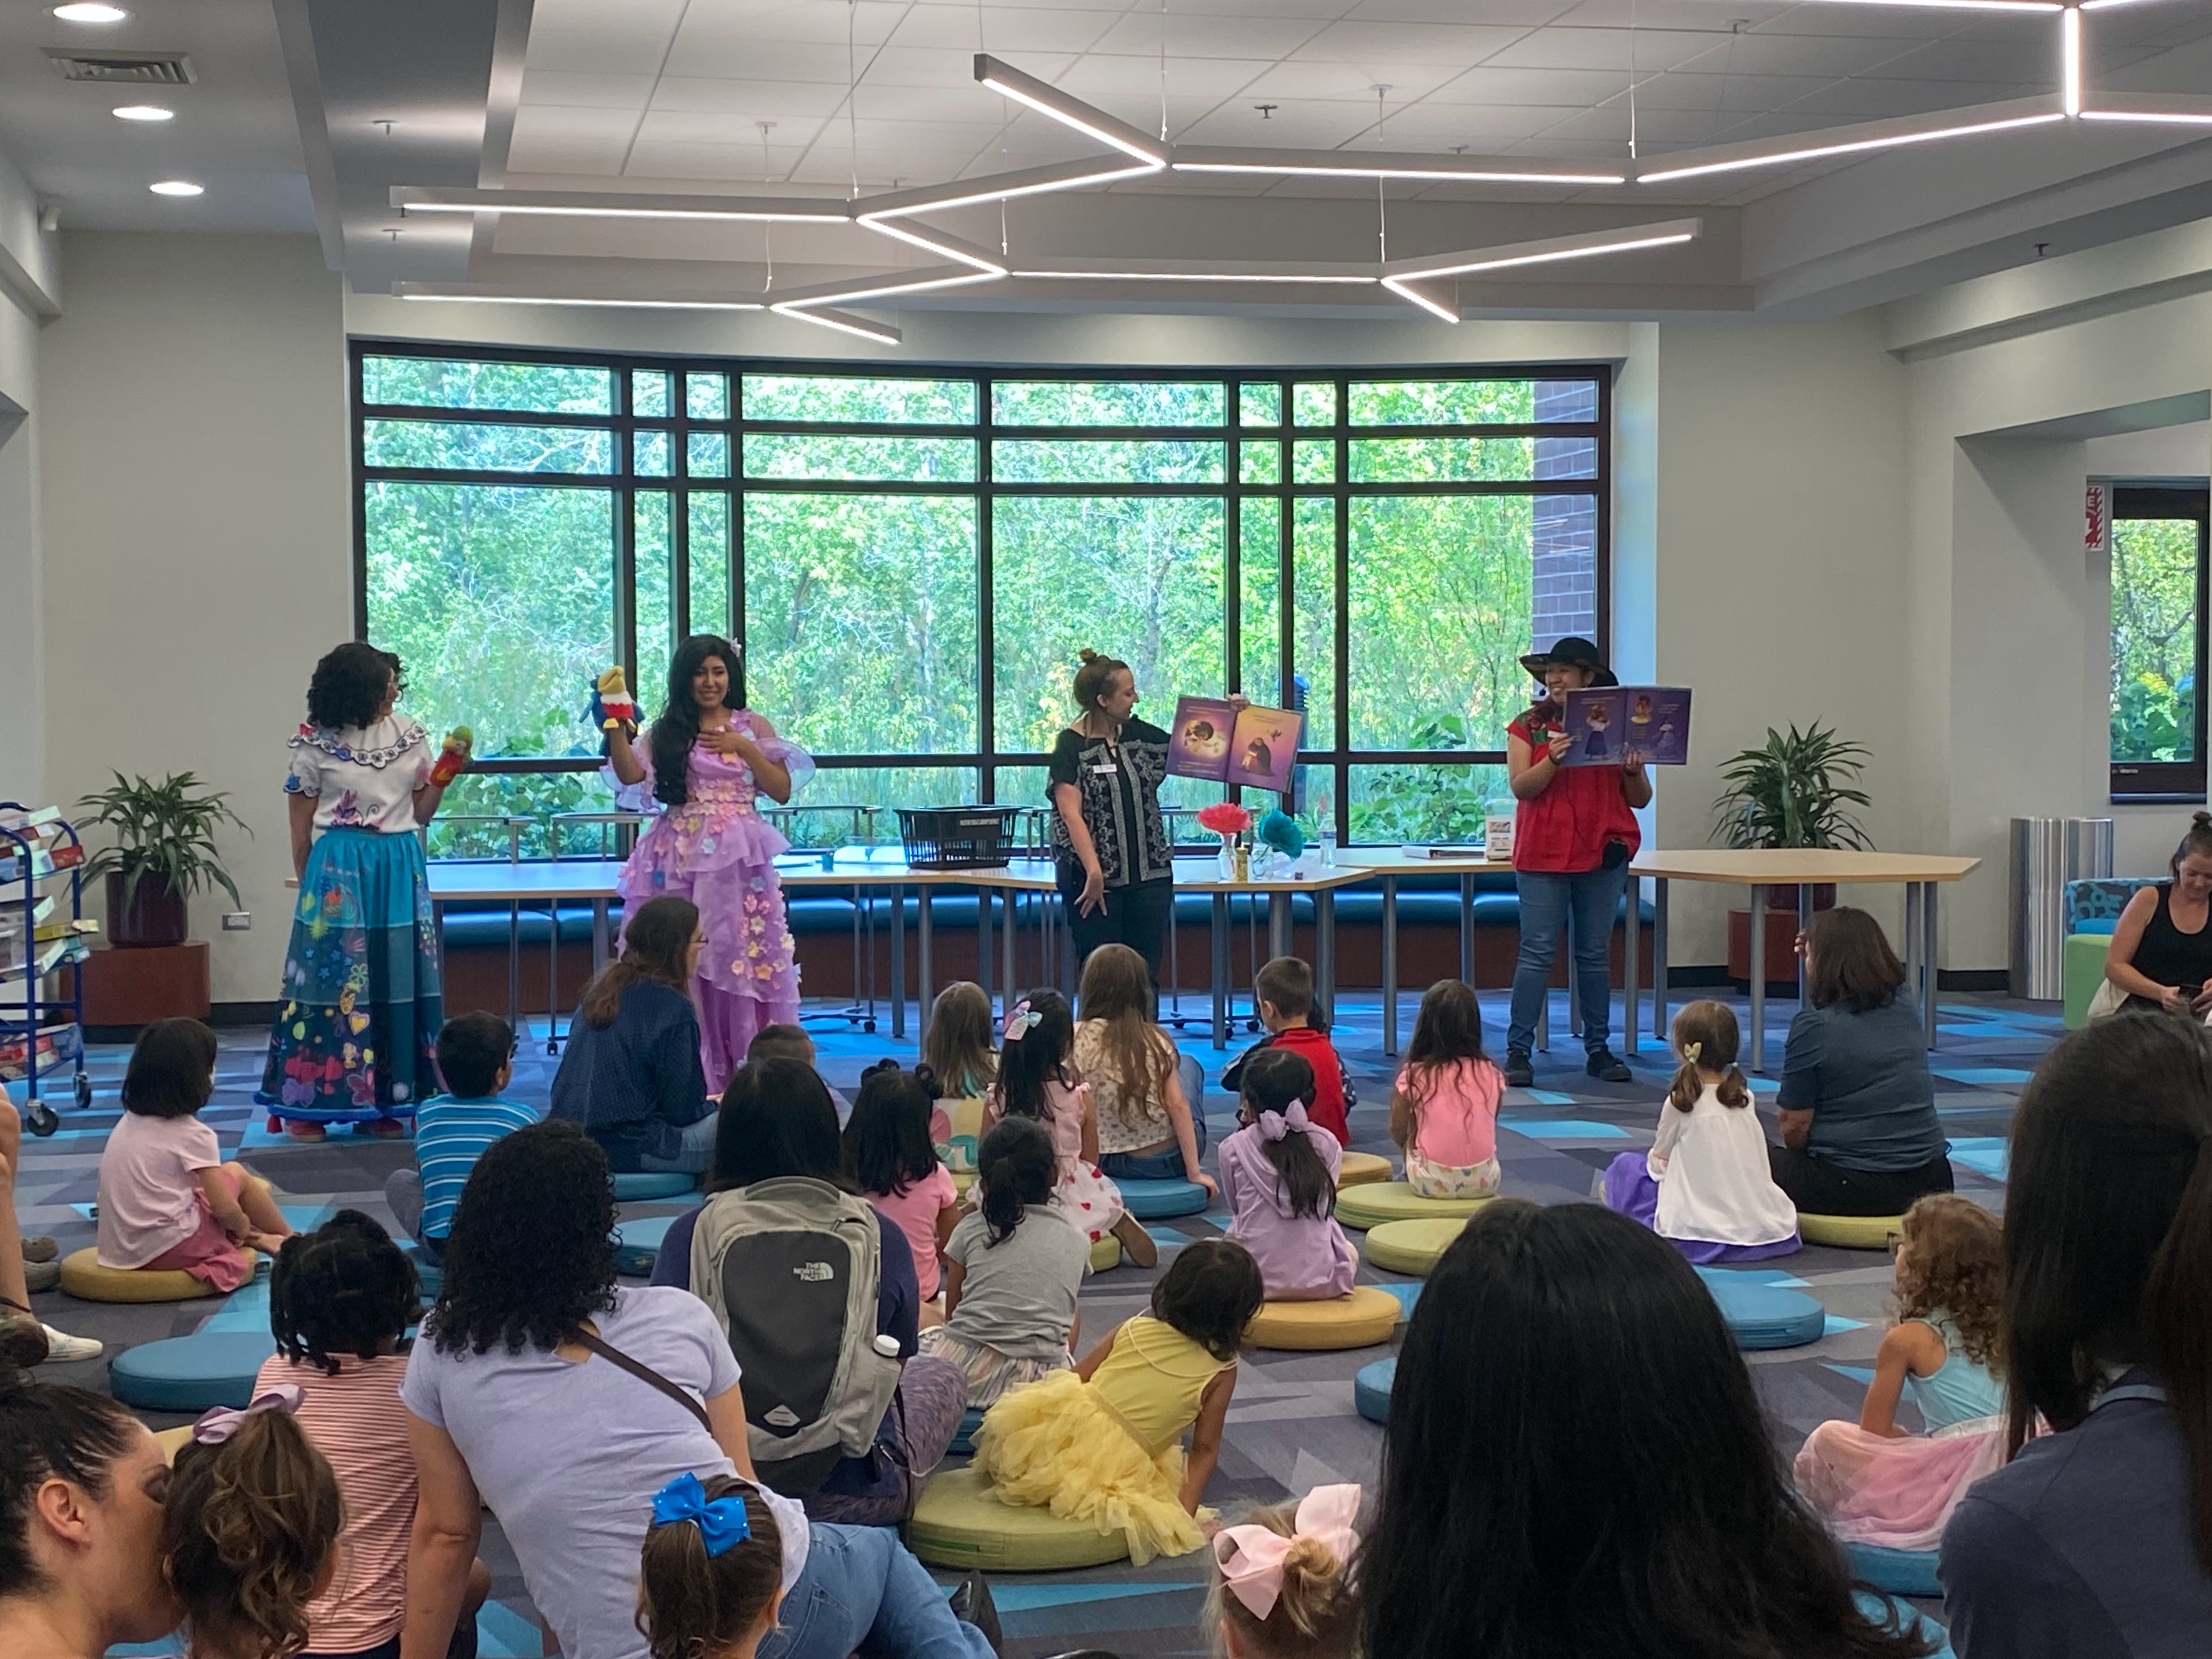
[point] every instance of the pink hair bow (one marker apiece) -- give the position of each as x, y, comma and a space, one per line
1273, 1126
1021, 1020
1251, 1557
218, 1424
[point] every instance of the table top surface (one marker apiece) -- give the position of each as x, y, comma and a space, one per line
1797, 866
1395, 861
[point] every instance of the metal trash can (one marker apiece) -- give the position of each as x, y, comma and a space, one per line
2047, 854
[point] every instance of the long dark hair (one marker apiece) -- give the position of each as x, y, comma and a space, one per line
656, 941
1029, 1063
777, 1120
2108, 1232
678, 728
1015, 1166
1447, 1031
1577, 1466
531, 1254
344, 1288
887, 1147
1272, 1080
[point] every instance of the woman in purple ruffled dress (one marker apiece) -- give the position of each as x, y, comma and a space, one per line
704, 763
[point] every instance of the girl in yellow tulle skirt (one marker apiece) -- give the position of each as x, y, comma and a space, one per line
1102, 1442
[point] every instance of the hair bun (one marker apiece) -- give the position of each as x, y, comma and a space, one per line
2201, 820
1087, 655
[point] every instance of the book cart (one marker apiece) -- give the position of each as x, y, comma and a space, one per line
41, 1035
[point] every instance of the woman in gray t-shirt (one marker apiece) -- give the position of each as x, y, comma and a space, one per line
1859, 1131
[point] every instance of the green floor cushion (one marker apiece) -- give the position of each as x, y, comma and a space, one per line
1411, 1247
190, 1373
641, 1184
1361, 1168
1849, 1232
1762, 1316
2081, 970
1370, 1389
1155, 1201
958, 1523
1106, 1254
1372, 1204
84, 1278
1360, 1320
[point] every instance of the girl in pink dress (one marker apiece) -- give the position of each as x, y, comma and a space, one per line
705, 760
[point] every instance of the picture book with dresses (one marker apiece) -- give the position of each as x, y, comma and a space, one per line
1604, 719
1252, 746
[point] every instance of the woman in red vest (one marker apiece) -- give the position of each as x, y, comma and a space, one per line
1573, 835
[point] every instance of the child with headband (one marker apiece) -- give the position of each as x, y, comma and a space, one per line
1281, 1585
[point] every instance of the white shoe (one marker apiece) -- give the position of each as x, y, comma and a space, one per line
61, 1347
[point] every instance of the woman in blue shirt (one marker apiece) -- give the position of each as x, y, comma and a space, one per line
1859, 1131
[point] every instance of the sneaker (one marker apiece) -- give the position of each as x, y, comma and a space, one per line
971, 1604
39, 1248
1607, 1066
62, 1347
1519, 1074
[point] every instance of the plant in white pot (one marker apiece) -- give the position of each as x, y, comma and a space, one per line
164, 851
1798, 790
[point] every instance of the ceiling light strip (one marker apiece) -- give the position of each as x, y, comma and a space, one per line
2043, 7
2069, 60
432, 291
1290, 277
1070, 111
996, 187
1351, 164
1404, 290
618, 205
941, 243
875, 288
2198, 118
1666, 168
1627, 238
845, 323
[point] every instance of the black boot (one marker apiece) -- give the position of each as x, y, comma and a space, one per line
1608, 1067
971, 1604
1519, 1074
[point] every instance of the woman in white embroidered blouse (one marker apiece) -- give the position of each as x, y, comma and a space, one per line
354, 1040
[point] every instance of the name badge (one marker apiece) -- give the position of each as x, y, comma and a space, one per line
1107, 771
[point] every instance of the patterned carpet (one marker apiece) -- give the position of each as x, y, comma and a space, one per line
1292, 1424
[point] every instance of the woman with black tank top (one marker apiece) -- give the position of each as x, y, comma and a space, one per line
2161, 951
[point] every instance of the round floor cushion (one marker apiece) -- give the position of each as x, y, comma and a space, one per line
1902, 1572
1765, 1315
172, 1440
958, 1523
1411, 1247
963, 1438
1370, 1389
1155, 1201
1360, 1168
1375, 1202
84, 1278
637, 1243
190, 1373
1360, 1320
640, 1184
1850, 1232
1105, 1254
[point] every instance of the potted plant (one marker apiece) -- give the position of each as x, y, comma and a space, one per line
1798, 790
164, 852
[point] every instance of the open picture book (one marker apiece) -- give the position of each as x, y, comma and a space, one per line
1253, 747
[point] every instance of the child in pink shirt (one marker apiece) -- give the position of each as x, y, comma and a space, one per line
167, 1200
1444, 1106
888, 1152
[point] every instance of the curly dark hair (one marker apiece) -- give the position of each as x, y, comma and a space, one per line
678, 728
1954, 1263
351, 684
531, 1254
247, 1528
344, 1288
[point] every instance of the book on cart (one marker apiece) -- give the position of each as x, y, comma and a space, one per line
44, 861
12, 918
16, 947
40, 960
1254, 747
36, 823
49, 1049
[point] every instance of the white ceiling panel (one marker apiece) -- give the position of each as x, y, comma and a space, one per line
1359, 40
662, 126
1607, 49
632, 92
1102, 76
1758, 51
1138, 32
1726, 91
601, 37
734, 163
763, 60
1490, 85
964, 102
1355, 83
573, 122
753, 99
1316, 123
1980, 60
1867, 99
1476, 128
577, 158
869, 21
949, 66
1007, 31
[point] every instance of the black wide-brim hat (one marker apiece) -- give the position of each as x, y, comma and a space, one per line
1572, 650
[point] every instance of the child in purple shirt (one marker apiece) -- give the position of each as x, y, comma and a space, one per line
1279, 1178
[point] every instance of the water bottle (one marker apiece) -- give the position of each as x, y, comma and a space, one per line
1328, 844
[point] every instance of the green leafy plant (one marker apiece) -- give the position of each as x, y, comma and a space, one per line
1794, 792
165, 830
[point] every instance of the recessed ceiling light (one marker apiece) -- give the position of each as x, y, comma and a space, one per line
176, 187
90, 11
143, 112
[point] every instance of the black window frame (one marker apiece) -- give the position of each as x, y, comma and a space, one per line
1334, 761
2152, 782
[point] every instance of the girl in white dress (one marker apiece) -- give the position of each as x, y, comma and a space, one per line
1705, 1185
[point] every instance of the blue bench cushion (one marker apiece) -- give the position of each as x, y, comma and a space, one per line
190, 1373
1370, 1389
637, 1243
964, 1439
1764, 1315
639, 1185
1155, 1201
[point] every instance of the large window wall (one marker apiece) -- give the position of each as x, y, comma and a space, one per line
913, 558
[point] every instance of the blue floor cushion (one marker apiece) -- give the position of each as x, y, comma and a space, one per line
1370, 1389
638, 1242
190, 1373
1902, 1572
1764, 1315
640, 1184
1155, 1201
963, 1442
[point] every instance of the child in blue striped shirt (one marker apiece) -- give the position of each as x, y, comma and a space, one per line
475, 1060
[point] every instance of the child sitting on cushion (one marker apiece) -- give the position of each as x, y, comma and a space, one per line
1443, 1107
1279, 1179
476, 1062
1283, 991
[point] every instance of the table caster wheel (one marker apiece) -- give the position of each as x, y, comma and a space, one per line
869, 1026
42, 1120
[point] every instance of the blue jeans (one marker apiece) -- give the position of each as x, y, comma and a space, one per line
1592, 896
1166, 1162
694, 1157
863, 1589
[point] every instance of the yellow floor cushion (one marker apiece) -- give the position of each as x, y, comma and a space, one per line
1411, 1247
1105, 1254
1360, 1168
172, 1440
1366, 1316
958, 1523
1376, 1202
83, 1277
1850, 1232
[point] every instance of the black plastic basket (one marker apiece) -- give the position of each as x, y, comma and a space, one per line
958, 837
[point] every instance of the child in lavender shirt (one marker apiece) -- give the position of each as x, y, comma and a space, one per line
1279, 1178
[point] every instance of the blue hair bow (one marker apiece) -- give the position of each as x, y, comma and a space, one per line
721, 1523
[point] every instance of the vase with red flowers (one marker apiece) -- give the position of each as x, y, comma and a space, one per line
1233, 823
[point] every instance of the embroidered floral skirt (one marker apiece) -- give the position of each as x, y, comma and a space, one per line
356, 1035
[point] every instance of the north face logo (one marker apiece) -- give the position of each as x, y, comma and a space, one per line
815, 1273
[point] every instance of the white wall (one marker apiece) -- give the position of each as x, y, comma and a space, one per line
29, 279
197, 513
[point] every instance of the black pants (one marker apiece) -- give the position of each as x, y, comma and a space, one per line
1137, 915
1817, 1187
